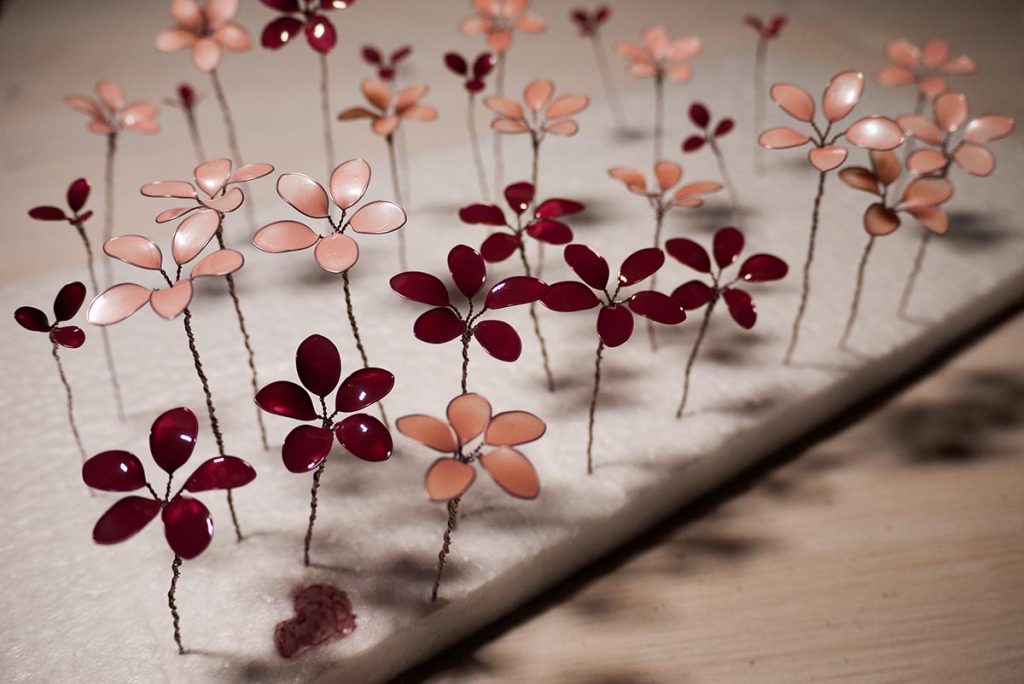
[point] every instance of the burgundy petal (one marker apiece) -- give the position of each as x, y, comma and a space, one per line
364, 387
519, 196
321, 34
723, 127
124, 519
486, 214
614, 325
693, 295
421, 287
114, 471
557, 207
657, 306
306, 447
499, 246
173, 437
550, 231
188, 526
221, 472
467, 268
761, 267
689, 253
277, 33
70, 336
693, 143
570, 295
47, 214
456, 63
318, 364
371, 55
588, 265
438, 326
499, 339
31, 318
78, 193
699, 115
483, 65
741, 307
640, 265
514, 291
728, 244
365, 437
284, 398
68, 301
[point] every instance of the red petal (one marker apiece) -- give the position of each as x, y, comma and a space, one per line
588, 265
371, 55
31, 318
549, 231
114, 471
640, 265
365, 437
499, 246
364, 387
68, 301
614, 325
124, 519
723, 127
658, 307
306, 447
693, 143
741, 307
699, 115
277, 33
689, 253
173, 437
187, 526
499, 339
321, 34
47, 214
728, 244
557, 207
421, 287
570, 295
284, 398
483, 65
456, 63
70, 336
221, 472
486, 214
438, 326
519, 196
318, 364
693, 295
762, 267
78, 193
467, 268
515, 291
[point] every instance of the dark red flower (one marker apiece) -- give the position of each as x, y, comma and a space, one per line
387, 66
65, 306
77, 194
318, 365
185, 97
302, 16
769, 29
475, 74
588, 23
701, 118
188, 526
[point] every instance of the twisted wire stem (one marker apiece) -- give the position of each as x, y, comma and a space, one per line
446, 543
536, 324
693, 355
659, 216
210, 410
499, 157
806, 290
317, 474
108, 201
908, 289
70, 401
115, 383
593, 407
760, 57
659, 114
396, 188
350, 311
193, 132
325, 112
607, 80
229, 126
855, 306
734, 198
173, 605
474, 141
465, 359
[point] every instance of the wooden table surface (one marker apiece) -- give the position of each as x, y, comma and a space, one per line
891, 551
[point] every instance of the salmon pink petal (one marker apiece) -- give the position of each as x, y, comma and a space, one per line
781, 138
499, 41
285, 398
741, 307
557, 207
318, 364
693, 295
505, 107
657, 306
278, 32
934, 52
365, 437
926, 161
567, 105
69, 336
306, 447
364, 387
893, 75
139, 116
192, 236
510, 126
570, 295
349, 182
903, 52
284, 236
377, 93
950, 111
227, 203
513, 472
960, 65
667, 174
511, 428
321, 34
763, 267
114, 471
31, 318
614, 325
421, 287
171, 214
179, 189
551, 232
932, 219
859, 178
499, 339
219, 263
188, 526
932, 87
124, 519
927, 192
975, 159
634, 53
187, 14
68, 301
250, 172
987, 128
887, 166
467, 269
499, 246
640, 265
842, 94
693, 189
438, 326
632, 178
169, 303
304, 194
47, 213
530, 25
174, 39
448, 478
419, 112
100, 128
793, 100
827, 158
468, 415
566, 128
221, 472
515, 291
220, 11
378, 217
880, 220
206, 54
353, 113
428, 431
683, 49
336, 253
135, 250
85, 105
213, 175
172, 438
111, 95
590, 266
485, 214
875, 133
117, 303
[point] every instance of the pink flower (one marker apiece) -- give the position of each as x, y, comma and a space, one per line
212, 178
920, 199
657, 55
389, 110
926, 66
110, 114
206, 30
664, 195
498, 19
546, 115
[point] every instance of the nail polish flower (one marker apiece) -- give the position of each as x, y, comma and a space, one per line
615, 320
205, 30
926, 67
65, 306
543, 225
213, 178
474, 76
841, 95
766, 30
469, 418
659, 56
109, 113
920, 199
318, 365
665, 195
77, 194
589, 23
388, 110
726, 247
387, 66
185, 97
701, 118
445, 322
545, 115
969, 153
335, 252
302, 16
188, 525
498, 20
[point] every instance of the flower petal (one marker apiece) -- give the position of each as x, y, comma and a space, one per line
448, 478
614, 325
117, 303
499, 339
902, 51
321, 34
428, 431
499, 246
986, 128
926, 161
349, 182
566, 127
124, 519
892, 75
632, 178
693, 295
515, 291
226, 203
934, 52
193, 235
188, 526
438, 326
880, 219
363, 388
135, 250
931, 218
667, 174
47, 213
170, 302
859, 178
220, 263
172, 188
221, 472
557, 207
213, 175
551, 232
689, 253
318, 365
336, 253
377, 93
875, 133
513, 472
781, 137
278, 32
657, 306
111, 95
975, 159
511, 428
174, 39
590, 266
31, 318
114, 471
927, 192
467, 269
950, 111
70, 336
421, 287
285, 398
537, 94
468, 415
250, 172
68, 301
172, 438
284, 236
304, 193
365, 437
763, 267
640, 265
482, 214
206, 54
378, 218
306, 447
567, 105
510, 126
741, 307
842, 94
793, 100
570, 295
828, 157
505, 107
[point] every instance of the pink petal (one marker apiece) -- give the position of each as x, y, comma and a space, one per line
515, 291
567, 105
530, 25
691, 190
318, 364
188, 526
428, 431
932, 219
221, 472
378, 217
880, 220
467, 269
932, 87
174, 39
219, 11
926, 161
537, 94
468, 415
827, 158
741, 307
927, 192
892, 75
614, 325
213, 175
385, 125
667, 174
504, 106
285, 398
693, 295
793, 100
657, 307
169, 303
219, 263
509, 126
842, 94
763, 267
192, 236
171, 214
987, 128
859, 178
950, 111
284, 236
934, 52
336, 253
656, 41
960, 65
227, 203
903, 52
570, 295
781, 138
117, 303
135, 250
304, 193
590, 266
85, 105
179, 189
640, 265
124, 519
567, 128
365, 437
377, 94
362, 388
975, 159
206, 54
306, 447
353, 113
499, 339
187, 14
438, 326
513, 472
887, 166
448, 478
421, 287
172, 438
114, 471
232, 36
68, 301
875, 133
140, 116
689, 253
349, 182
410, 96
250, 172
111, 95
632, 178
683, 49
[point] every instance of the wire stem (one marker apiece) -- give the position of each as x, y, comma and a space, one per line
536, 323
593, 406
693, 354
317, 474
466, 336
229, 126
908, 289
193, 131
806, 290
70, 401
760, 58
108, 201
350, 310
173, 605
659, 217
734, 198
474, 141
325, 112
499, 91
397, 190
607, 80
115, 383
659, 114
446, 543
855, 306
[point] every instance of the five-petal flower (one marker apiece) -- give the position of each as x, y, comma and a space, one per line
109, 113
926, 67
213, 178
498, 19
659, 56
205, 29
546, 115
302, 16
390, 110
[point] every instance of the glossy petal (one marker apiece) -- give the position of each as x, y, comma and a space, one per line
763, 267
448, 478
875, 133
504, 107
781, 138
793, 100
892, 75
377, 94
741, 307
188, 526
227, 202
927, 192
567, 105
519, 197
173, 213
614, 325
557, 207
304, 193
499, 339
438, 326
511, 428
514, 291
135, 250
169, 303
117, 303
46, 213
932, 219
513, 472
124, 519
114, 471
499, 246
859, 178
206, 54
349, 182
306, 447
632, 178
727, 245
484, 214
549, 231
172, 438
285, 398
213, 175
566, 127
667, 174
222, 472
68, 301
193, 234
926, 161
336, 253
693, 295
77, 194
318, 365
640, 265
986, 128
570, 295
828, 157
284, 236
219, 263
378, 218
70, 336
588, 265
428, 431
365, 437
689, 253
421, 287
321, 34
880, 220
362, 388
657, 306
903, 52
975, 159
278, 32
538, 93
250, 172
689, 193
887, 165
468, 414
467, 269
950, 111
842, 94
31, 318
